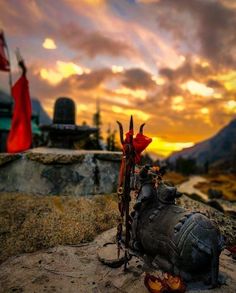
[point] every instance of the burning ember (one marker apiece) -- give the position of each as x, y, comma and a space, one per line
166, 284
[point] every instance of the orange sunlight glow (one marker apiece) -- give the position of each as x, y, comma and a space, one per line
158, 80
197, 88
94, 2
178, 103
230, 106
139, 94
117, 100
165, 148
204, 110
82, 107
117, 69
128, 112
62, 70
228, 80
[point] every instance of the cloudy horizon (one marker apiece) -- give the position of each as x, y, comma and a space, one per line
169, 63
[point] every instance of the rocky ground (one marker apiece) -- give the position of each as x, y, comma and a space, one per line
213, 192
77, 269
227, 224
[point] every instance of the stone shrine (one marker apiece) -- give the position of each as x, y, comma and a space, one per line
63, 132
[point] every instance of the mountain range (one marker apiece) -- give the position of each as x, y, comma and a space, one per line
219, 150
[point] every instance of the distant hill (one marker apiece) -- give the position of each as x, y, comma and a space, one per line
5, 98
218, 150
37, 108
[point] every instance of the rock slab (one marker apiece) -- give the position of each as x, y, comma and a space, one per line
45, 171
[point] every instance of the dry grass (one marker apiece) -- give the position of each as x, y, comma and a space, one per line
224, 182
174, 178
29, 223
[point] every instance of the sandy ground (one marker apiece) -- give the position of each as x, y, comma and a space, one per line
70, 269
77, 269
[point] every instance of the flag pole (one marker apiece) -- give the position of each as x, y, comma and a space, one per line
20, 60
9, 60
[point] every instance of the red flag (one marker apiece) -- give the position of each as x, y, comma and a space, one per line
4, 63
140, 143
20, 136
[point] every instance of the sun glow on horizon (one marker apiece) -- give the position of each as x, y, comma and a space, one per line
165, 148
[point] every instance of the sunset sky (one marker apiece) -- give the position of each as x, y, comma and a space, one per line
170, 63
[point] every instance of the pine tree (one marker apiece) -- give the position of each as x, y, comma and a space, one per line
97, 123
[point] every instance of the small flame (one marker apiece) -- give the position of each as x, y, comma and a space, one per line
154, 284
163, 285
174, 283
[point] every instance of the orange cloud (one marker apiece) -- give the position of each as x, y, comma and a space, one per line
197, 88
128, 112
61, 71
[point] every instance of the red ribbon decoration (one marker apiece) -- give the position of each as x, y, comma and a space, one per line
140, 143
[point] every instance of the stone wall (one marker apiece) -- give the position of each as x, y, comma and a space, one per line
60, 172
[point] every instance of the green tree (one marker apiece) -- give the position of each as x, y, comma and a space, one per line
97, 123
186, 166
112, 144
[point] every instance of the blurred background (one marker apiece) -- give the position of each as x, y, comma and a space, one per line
169, 63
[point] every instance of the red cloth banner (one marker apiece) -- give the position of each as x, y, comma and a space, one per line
140, 143
20, 136
4, 63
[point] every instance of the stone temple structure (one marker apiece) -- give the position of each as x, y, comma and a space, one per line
59, 169
63, 132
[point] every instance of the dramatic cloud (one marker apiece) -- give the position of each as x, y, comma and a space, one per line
209, 24
190, 69
91, 80
138, 79
169, 63
95, 43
